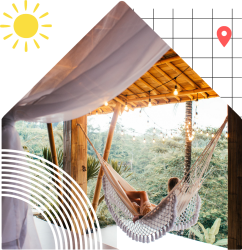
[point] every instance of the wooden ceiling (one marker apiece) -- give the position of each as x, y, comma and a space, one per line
158, 84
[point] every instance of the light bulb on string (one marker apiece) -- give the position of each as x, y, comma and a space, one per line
133, 138
207, 134
106, 103
150, 104
212, 134
96, 112
196, 115
144, 140
201, 132
122, 132
154, 130
163, 138
197, 104
166, 136
126, 107
193, 132
197, 129
140, 114
175, 91
147, 122
171, 135
226, 135
153, 140
161, 134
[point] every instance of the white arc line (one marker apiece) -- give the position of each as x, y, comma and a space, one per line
66, 181
33, 193
43, 176
32, 204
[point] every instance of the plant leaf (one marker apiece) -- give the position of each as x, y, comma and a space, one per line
222, 242
198, 234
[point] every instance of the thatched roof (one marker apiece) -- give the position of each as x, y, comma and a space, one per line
158, 84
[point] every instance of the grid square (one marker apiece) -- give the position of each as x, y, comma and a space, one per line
237, 87
237, 103
202, 47
149, 22
163, 13
217, 23
223, 86
222, 67
203, 67
222, 13
237, 13
183, 47
237, 67
202, 28
183, 13
237, 31
220, 51
143, 13
163, 27
202, 13
183, 28
237, 50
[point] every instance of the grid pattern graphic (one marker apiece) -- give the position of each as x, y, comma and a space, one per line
194, 38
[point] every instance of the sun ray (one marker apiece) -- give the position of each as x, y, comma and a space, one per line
37, 45
46, 37
7, 15
15, 7
15, 44
26, 47
46, 14
46, 25
6, 37
4, 26
25, 4
36, 7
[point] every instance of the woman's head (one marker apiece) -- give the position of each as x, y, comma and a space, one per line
172, 183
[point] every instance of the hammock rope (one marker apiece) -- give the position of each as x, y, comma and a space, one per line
179, 210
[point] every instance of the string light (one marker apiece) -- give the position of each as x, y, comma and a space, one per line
171, 135
122, 132
126, 106
166, 136
161, 134
163, 138
212, 134
194, 125
193, 132
201, 132
140, 114
154, 130
147, 122
150, 104
226, 135
197, 104
207, 134
153, 140
196, 115
133, 138
106, 103
175, 91
96, 112
144, 140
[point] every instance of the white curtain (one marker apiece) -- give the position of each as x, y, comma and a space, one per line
113, 55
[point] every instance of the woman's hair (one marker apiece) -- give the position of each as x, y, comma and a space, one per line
172, 183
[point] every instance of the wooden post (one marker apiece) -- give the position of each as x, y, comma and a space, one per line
105, 155
54, 155
234, 180
79, 157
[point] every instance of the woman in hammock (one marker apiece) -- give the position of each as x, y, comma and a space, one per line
141, 201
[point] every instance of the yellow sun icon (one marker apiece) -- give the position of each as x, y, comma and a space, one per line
25, 26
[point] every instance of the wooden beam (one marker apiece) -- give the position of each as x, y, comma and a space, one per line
171, 95
123, 103
136, 95
79, 161
153, 90
234, 180
54, 156
105, 155
140, 89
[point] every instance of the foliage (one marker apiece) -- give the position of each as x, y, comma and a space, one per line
93, 167
209, 234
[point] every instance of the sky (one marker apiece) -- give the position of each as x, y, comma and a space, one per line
211, 113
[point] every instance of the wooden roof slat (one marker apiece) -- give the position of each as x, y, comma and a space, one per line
123, 103
140, 89
151, 87
184, 75
171, 95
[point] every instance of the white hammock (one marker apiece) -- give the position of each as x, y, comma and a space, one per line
178, 211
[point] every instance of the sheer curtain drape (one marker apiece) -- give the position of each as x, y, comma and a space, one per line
113, 55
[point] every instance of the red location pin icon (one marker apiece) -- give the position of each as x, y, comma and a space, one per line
224, 34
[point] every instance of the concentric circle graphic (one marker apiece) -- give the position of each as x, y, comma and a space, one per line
34, 180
